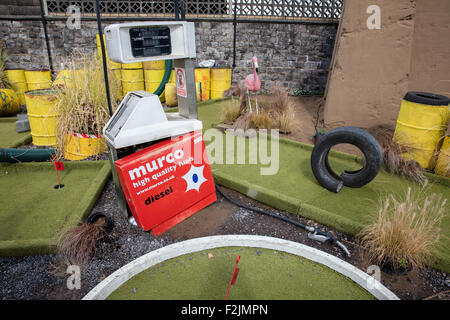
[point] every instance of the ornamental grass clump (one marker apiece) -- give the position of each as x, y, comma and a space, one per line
275, 111
280, 102
78, 244
286, 119
230, 111
4, 81
405, 230
394, 160
82, 102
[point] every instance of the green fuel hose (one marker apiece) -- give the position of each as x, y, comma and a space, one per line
166, 77
25, 155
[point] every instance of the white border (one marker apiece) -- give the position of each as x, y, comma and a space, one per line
115, 280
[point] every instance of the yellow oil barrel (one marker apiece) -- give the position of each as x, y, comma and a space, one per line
443, 161
18, 83
43, 115
171, 94
153, 79
135, 65
172, 77
421, 124
118, 77
220, 81
154, 65
38, 79
9, 102
111, 64
81, 146
203, 75
132, 80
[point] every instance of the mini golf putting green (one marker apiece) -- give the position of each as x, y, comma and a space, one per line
270, 268
34, 212
265, 274
9, 138
294, 189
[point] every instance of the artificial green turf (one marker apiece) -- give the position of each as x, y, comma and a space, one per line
34, 212
9, 138
264, 274
295, 189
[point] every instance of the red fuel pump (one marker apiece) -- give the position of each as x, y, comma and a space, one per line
167, 182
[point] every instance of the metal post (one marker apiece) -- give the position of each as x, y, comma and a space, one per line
102, 44
234, 34
187, 106
121, 199
47, 42
177, 14
183, 10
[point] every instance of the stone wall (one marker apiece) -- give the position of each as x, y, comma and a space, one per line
19, 7
296, 56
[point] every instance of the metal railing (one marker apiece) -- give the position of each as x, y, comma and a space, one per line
246, 9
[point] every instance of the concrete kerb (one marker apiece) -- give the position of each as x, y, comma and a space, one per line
123, 274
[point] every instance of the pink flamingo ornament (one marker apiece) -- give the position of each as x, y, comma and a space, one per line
253, 84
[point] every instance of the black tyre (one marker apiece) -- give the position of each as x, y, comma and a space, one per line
96, 215
361, 139
427, 98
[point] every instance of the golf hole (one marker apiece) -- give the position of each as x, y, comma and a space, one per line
58, 186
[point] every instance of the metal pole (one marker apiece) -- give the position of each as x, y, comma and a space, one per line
183, 10
102, 44
47, 42
234, 34
177, 14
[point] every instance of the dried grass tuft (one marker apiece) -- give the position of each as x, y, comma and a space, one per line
392, 156
83, 105
4, 81
243, 122
230, 111
275, 111
280, 102
286, 119
261, 120
406, 229
78, 245
238, 90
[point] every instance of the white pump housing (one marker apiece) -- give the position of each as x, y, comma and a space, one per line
140, 118
156, 40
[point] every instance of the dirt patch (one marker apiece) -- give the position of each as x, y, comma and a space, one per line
306, 109
204, 223
309, 113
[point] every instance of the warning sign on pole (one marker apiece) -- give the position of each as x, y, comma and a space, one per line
180, 79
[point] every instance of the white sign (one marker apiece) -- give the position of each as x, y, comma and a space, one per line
180, 79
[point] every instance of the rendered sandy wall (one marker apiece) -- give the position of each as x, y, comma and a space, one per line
430, 60
373, 69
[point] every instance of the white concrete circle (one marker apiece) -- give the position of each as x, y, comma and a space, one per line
123, 274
